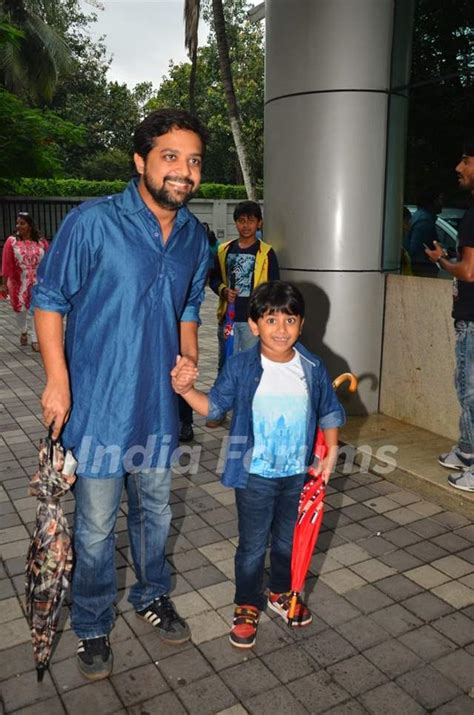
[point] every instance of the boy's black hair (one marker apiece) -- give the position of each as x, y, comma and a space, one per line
161, 122
248, 208
276, 297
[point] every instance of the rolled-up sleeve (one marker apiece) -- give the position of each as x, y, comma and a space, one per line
190, 313
331, 412
66, 266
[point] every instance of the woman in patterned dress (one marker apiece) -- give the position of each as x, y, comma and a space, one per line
21, 256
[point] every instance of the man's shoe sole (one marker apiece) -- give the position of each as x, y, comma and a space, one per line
168, 641
452, 466
102, 675
283, 615
461, 488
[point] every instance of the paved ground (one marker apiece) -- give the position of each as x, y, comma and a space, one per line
392, 590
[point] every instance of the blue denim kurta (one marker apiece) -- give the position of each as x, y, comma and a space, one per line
124, 292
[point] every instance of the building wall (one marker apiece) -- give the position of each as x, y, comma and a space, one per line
417, 380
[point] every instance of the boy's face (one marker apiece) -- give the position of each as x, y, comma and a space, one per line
278, 332
247, 226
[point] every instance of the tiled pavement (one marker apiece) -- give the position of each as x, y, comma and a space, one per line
391, 587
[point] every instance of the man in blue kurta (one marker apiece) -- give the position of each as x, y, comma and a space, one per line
128, 271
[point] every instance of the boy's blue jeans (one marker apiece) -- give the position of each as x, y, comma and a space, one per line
464, 382
266, 509
94, 583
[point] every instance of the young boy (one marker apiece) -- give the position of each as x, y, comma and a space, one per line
240, 266
279, 393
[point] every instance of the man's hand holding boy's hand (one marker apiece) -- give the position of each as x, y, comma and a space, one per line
183, 375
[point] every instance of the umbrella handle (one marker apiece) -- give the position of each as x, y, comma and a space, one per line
40, 670
346, 377
292, 607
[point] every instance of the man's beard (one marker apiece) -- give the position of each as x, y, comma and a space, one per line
163, 197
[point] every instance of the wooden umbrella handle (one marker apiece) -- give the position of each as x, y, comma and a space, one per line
346, 377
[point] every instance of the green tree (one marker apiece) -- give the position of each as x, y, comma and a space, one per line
32, 66
224, 22
192, 11
247, 57
109, 111
110, 165
441, 96
32, 141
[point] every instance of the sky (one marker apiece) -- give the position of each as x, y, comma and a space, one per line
142, 36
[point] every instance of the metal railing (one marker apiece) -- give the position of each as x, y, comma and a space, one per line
47, 213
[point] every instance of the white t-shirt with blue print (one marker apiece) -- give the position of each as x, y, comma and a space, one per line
280, 415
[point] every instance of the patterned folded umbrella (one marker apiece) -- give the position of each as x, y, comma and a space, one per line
49, 559
310, 513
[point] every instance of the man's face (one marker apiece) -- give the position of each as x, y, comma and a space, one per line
171, 173
465, 172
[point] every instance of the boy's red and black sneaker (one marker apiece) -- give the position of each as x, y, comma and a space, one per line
244, 630
280, 603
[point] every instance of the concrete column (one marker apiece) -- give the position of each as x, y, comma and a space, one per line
334, 158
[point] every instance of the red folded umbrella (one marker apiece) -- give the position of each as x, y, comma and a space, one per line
310, 513
310, 517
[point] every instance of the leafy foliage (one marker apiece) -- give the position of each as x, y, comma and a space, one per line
82, 187
441, 110
247, 58
31, 63
32, 141
108, 165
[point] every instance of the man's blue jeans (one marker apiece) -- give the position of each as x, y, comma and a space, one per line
464, 381
267, 508
94, 583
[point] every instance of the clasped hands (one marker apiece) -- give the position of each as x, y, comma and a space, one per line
183, 375
436, 253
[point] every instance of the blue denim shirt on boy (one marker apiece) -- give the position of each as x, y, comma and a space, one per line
235, 389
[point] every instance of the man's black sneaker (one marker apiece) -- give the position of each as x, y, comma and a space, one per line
162, 615
186, 432
94, 658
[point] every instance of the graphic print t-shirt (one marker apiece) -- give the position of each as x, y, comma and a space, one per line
280, 413
240, 266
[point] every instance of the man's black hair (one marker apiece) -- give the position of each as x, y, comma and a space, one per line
276, 297
161, 122
468, 145
248, 208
